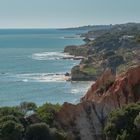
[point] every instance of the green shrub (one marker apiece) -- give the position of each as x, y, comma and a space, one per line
90, 70
5, 111
11, 127
47, 112
9, 117
121, 123
39, 131
14, 126
10, 130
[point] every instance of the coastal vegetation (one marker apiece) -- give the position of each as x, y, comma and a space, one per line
124, 123
89, 70
29, 122
47, 112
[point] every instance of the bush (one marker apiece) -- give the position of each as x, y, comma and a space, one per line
5, 111
121, 123
39, 131
47, 112
10, 130
90, 70
10, 125
9, 117
15, 126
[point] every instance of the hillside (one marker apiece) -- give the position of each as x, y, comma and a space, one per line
117, 48
90, 28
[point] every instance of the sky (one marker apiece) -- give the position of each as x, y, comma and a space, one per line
66, 13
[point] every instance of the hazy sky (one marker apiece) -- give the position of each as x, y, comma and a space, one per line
66, 13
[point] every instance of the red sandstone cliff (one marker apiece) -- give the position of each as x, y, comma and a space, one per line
86, 119
125, 89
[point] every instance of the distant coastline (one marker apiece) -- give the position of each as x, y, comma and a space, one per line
105, 47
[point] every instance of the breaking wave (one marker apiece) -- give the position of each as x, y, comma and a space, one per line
36, 77
50, 56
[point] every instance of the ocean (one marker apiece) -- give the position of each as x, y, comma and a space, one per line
32, 68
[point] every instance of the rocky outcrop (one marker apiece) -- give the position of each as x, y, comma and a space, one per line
77, 74
85, 121
77, 50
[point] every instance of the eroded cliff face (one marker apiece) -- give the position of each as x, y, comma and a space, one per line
124, 90
85, 121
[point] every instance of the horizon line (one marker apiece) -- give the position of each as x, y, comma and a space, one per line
66, 27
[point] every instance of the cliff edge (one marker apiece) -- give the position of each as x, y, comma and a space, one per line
86, 120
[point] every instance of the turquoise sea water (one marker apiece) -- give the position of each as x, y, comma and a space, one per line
32, 68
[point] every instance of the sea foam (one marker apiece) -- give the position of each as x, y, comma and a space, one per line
41, 77
50, 56
37, 77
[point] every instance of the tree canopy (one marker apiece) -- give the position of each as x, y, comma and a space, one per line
123, 124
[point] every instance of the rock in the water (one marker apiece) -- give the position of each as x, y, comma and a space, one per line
67, 74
